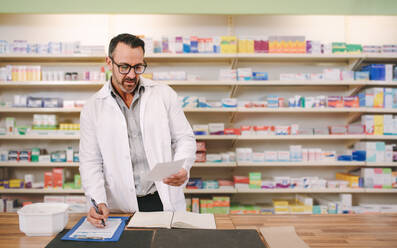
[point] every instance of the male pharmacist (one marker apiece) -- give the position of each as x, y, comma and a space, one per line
127, 127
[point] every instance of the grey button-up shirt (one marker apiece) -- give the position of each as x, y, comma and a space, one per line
140, 165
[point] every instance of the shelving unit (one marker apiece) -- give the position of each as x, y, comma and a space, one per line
233, 88
39, 137
38, 164
39, 110
211, 191
250, 83
222, 164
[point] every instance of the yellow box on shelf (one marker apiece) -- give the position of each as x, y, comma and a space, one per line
296, 208
280, 203
228, 44
378, 124
281, 210
245, 46
353, 180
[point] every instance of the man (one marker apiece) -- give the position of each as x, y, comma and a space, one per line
127, 127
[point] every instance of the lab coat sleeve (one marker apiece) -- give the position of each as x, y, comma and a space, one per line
91, 162
183, 140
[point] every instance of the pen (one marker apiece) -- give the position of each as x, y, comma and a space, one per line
97, 210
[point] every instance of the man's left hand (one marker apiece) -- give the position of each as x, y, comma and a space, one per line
176, 179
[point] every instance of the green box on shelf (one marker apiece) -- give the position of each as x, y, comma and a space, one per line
354, 48
387, 174
68, 185
255, 180
221, 204
77, 181
203, 206
35, 154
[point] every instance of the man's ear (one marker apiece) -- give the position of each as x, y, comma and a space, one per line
109, 63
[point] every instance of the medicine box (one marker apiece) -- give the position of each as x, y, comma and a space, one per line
57, 177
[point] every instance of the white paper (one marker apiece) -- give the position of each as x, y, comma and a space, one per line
87, 230
163, 170
151, 220
172, 219
193, 220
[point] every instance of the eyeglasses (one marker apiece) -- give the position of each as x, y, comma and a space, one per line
126, 68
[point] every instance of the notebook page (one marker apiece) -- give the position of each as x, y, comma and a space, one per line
193, 220
151, 220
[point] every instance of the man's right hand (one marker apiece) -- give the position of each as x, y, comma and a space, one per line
94, 218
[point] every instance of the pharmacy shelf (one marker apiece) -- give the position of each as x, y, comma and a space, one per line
218, 110
294, 57
327, 190
222, 164
383, 164
97, 84
214, 165
290, 110
301, 164
347, 190
52, 84
381, 190
296, 137
38, 164
97, 58
276, 83
39, 110
210, 191
187, 57
199, 83
39, 137
288, 57
315, 110
380, 137
209, 110
301, 137
223, 137
41, 191
216, 137
382, 57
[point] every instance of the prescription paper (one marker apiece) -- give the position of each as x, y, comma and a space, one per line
164, 170
86, 230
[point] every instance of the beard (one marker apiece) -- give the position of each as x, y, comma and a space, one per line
128, 85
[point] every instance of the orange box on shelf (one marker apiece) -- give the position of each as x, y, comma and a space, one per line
48, 180
57, 177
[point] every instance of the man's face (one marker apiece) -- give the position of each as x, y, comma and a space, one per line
124, 54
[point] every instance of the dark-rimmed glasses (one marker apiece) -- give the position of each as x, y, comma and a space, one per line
126, 68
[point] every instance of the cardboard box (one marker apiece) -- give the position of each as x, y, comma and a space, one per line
57, 177
48, 183
378, 98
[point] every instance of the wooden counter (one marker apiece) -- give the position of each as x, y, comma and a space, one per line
358, 231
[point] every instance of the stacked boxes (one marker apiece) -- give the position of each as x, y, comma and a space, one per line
376, 152
228, 44
255, 180
354, 181
280, 206
216, 205
287, 44
377, 178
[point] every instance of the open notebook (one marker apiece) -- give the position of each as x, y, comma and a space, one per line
172, 220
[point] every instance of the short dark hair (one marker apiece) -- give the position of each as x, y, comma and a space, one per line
128, 39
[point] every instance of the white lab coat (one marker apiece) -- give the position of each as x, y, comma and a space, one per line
105, 162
